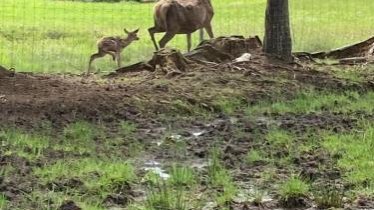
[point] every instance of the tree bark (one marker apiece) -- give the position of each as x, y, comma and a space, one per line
277, 39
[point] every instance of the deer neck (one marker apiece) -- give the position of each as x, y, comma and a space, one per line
125, 42
208, 2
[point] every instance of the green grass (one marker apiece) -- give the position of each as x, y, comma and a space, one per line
354, 150
279, 138
96, 174
329, 197
220, 178
127, 129
255, 156
80, 132
293, 188
164, 197
357, 73
3, 201
227, 105
59, 36
29, 146
52, 200
79, 137
182, 176
313, 101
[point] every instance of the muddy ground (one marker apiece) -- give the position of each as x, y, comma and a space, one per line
28, 99
188, 105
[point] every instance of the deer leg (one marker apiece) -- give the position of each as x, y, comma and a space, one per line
113, 54
201, 32
152, 32
118, 57
209, 31
189, 42
167, 37
94, 57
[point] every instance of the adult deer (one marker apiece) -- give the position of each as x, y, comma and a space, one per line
113, 45
181, 17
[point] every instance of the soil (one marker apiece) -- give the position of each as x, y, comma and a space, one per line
69, 205
27, 100
176, 88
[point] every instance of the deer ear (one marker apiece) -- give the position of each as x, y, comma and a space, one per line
136, 31
126, 31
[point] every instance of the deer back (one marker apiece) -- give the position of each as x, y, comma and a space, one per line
188, 16
112, 43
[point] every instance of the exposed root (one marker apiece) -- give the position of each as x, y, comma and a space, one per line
5, 72
171, 62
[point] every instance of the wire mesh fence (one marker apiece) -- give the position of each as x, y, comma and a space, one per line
57, 36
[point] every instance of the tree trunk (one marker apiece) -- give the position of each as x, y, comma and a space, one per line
277, 39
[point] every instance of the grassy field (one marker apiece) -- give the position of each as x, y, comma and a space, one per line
59, 36
211, 139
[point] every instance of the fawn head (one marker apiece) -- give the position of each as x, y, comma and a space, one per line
132, 35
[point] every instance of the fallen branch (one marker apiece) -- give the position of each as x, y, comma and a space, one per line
360, 49
356, 60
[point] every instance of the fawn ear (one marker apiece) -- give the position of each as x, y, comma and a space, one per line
126, 31
136, 31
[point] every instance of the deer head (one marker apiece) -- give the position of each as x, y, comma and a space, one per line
132, 35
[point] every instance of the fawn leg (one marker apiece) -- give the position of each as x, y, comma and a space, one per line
94, 57
118, 57
113, 54
167, 37
152, 32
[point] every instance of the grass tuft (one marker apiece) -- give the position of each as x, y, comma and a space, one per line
329, 197
182, 176
254, 157
3, 201
163, 197
293, 188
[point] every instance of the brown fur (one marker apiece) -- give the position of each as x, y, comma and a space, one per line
113, 45
181, 17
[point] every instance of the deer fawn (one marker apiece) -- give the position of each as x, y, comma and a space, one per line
113, 46
181, 17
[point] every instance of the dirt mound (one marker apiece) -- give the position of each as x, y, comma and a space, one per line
5, 72
69, 205
29, 99
226, 67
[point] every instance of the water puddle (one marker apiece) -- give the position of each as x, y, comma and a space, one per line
198, 133
199, 164
155, 167
176, 137
233, 120
250, 194
210, 206
267, 121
